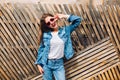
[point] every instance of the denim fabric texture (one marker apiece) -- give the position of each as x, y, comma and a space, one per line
54, 68
65, 34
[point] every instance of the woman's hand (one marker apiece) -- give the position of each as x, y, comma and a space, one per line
40, 69
60, 16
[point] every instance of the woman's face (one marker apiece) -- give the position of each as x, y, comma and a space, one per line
51, 22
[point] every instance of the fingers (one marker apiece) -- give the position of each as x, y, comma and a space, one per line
56, 17
40, 69
60, 16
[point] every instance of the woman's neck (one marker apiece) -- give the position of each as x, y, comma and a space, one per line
55, 30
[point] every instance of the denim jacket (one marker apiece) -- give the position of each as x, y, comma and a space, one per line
65, 34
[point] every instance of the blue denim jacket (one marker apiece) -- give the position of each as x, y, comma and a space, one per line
64, 33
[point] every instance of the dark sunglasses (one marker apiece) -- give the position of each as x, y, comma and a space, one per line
51, 20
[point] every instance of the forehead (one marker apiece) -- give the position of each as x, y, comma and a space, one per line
48, 18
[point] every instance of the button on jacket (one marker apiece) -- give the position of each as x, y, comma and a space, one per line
65, 34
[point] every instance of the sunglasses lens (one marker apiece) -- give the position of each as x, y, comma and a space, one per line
48, 23
52, 19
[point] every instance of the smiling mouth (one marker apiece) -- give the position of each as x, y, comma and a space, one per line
53, 25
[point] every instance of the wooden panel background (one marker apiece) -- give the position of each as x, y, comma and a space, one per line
19, 25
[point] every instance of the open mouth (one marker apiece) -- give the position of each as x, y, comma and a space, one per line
54, 24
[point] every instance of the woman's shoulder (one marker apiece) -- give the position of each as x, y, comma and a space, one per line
46, 34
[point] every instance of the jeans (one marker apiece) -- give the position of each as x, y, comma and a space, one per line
54, 67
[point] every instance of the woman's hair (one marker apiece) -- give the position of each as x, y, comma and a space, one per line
43, 27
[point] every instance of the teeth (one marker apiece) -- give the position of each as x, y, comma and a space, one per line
53, 24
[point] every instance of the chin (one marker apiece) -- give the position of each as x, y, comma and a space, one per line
55, 27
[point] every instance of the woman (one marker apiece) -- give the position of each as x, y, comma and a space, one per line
55, 44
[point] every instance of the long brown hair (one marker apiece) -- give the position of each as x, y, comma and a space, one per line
43, 27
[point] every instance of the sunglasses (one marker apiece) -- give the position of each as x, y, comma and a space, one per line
51, 20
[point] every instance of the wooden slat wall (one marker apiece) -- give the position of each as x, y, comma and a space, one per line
92, 61
19, 25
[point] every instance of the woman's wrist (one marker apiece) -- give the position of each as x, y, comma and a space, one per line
67, 16
60, 16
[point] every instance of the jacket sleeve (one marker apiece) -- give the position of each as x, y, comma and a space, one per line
75, 21
40, 53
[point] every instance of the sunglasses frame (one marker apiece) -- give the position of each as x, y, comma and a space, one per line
51, 20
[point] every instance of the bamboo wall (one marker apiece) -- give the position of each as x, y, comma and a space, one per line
19, 25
